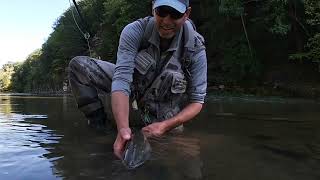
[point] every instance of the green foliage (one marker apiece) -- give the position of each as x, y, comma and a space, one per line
45, 70
278, 17
6, 75
117, 14
314, 50
233, 30
231, 7
312, 10
25, 77
314, 46
239, 65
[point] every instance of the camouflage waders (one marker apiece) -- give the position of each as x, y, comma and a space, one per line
90, 81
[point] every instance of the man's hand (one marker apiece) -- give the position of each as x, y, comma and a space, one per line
155, 129
159, 128
123, 136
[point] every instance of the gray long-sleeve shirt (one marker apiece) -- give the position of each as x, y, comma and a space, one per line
129, 44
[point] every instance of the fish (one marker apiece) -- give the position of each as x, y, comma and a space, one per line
137, 150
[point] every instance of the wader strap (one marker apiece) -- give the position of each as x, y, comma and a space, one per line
148, 27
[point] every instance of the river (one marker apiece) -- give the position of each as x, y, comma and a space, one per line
233, 138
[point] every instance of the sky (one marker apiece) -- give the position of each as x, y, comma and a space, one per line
25, 25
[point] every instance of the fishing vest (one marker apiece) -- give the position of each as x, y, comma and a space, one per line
160, 88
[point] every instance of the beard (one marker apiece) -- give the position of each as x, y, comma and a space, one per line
167, 32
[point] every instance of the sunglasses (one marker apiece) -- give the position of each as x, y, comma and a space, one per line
164, 11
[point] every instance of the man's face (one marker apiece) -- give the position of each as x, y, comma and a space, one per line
169, 20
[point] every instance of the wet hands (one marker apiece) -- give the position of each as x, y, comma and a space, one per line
124, 134
155, 129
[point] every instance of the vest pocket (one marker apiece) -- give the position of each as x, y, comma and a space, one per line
143, 62
179, 84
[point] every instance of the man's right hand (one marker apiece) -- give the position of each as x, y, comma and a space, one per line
124, 134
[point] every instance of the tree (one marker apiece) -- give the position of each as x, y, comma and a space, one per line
312, 48
5, 76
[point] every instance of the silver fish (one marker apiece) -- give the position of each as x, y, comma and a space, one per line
137, 151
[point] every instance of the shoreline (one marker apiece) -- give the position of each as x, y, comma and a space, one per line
57, 94
285, 91
304, 91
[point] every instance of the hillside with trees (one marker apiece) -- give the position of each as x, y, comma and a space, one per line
253, 46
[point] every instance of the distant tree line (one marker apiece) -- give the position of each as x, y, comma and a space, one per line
248, 42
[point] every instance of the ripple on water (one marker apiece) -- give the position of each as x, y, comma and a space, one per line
23, 141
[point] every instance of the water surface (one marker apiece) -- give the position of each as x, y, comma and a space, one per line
232, 138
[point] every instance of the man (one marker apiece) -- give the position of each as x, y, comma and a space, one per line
161, 68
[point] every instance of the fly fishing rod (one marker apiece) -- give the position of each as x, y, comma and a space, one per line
86, 33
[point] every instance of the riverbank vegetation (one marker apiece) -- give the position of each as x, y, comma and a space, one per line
252, 45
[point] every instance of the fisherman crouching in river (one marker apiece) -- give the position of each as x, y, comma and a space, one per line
161, 72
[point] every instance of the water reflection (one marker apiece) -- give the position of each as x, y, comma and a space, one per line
47, 138
21, 144
272, 139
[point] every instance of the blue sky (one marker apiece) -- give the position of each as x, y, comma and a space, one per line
25, 25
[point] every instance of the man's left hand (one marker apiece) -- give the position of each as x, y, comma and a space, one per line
155, 129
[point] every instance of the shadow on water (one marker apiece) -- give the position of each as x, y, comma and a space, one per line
47, 138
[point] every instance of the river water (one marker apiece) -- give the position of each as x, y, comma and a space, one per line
233, 138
